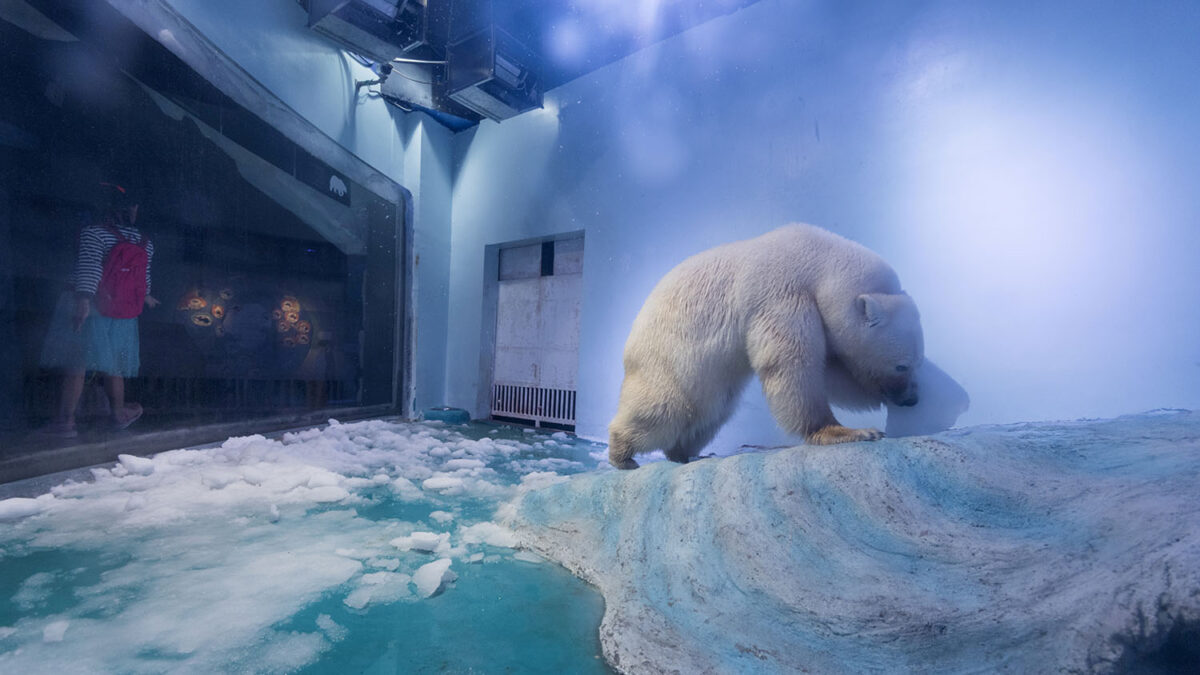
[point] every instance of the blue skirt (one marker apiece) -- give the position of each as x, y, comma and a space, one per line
103, 344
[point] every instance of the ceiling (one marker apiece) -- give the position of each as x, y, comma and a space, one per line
575, 37
570, 38
557, 41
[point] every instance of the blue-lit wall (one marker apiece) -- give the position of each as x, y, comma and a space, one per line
1028, 168
269, 39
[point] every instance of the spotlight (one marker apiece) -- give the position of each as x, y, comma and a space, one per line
385, 69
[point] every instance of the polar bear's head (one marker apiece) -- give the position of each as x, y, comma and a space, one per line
888, 346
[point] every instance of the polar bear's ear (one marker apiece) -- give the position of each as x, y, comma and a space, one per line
871, 309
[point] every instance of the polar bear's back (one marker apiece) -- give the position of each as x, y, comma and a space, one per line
703, 305
805, 258
727, 282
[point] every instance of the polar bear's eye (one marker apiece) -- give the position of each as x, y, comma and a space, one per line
901, 369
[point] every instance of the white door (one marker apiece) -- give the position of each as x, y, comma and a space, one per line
537, 332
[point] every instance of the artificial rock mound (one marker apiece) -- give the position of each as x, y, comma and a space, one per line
1065, 547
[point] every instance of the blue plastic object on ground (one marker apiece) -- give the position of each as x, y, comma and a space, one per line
446, 414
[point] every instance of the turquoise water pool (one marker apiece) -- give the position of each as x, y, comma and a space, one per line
366, 547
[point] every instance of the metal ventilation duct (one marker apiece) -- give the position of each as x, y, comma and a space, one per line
382, 29
493, 74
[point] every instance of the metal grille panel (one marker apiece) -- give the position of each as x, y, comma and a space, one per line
535, 403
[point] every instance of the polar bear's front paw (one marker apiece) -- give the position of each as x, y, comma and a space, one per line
624, 465
836, 433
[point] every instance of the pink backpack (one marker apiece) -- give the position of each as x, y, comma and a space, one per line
122, 288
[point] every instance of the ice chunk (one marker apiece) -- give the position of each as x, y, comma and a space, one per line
540, 479
379, 587
55, 631
141, 466
327, 495
34, 591
430, 577
242, 442
426, 541
358, 598
457, 464
444, 482
526, 556
332, 629
482, 489
218, 479
255, 475
488, 533
442, 516
321, 478
19, 507
429, 542
390, 564
406, 489
942, 401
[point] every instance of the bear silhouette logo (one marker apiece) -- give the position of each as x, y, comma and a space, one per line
337, 186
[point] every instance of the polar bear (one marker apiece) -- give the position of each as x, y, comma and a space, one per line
817, 317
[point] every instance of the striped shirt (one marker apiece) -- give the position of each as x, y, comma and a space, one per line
95, 241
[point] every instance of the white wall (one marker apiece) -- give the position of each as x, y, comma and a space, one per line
1028, 168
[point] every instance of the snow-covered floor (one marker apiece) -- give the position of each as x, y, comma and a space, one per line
1031, 548
364, 547
386, 547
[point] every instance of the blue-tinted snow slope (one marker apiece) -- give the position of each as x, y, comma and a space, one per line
1055, 547
363, 547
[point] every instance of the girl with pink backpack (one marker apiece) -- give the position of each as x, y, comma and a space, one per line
95, 327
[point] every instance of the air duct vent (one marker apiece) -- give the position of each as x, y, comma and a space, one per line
493, 74
382, 29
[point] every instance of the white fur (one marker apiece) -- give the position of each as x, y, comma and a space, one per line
816, 316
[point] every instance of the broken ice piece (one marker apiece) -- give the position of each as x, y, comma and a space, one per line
428, 542
134, 464
54, 631
430, 577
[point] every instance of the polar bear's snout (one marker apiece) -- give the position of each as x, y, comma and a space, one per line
903, 394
